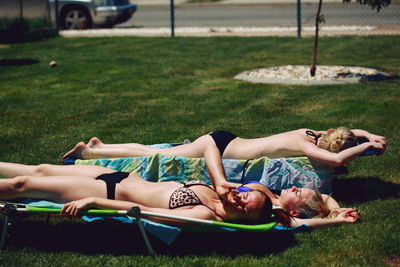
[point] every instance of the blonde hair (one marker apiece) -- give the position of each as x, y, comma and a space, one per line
315, 206
338, 140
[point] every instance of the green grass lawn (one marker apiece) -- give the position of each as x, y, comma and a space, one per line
152, 90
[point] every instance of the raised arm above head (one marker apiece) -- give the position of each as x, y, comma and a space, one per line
341, 158
337, 147
371, 137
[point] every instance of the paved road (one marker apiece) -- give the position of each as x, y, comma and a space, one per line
261, 15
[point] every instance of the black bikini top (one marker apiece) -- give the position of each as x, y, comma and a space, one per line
313, 135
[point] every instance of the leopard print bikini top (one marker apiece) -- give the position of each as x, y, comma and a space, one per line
184, 196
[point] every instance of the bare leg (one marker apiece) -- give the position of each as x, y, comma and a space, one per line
95, 142
192, 150
80, 151
58, 189
16, 169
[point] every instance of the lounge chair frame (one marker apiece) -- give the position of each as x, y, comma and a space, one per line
14, 212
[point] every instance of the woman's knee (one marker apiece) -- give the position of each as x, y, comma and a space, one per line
42, 170
18, 184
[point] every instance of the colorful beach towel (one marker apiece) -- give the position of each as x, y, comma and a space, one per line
276, 174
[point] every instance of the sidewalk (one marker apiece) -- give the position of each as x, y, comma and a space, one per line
232, 31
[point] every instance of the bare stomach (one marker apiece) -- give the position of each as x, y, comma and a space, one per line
142, 192
271, 147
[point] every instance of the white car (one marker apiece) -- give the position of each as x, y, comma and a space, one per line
84, 14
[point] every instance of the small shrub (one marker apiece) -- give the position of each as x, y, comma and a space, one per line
18, 30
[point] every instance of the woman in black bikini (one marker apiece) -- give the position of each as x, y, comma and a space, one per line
334, 147
82, 187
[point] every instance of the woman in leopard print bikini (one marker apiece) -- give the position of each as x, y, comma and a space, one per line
83, 187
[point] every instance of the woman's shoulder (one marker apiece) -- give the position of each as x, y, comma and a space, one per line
303, 130
299, 134
205, 213
300, 131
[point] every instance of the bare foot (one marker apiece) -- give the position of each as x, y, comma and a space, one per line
80, 151
94, 142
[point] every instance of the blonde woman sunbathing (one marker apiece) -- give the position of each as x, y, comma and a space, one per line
334, 147
84, 186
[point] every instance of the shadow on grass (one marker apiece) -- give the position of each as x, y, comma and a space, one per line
363, 189
112, 237
234, 243
17, 62
377, 78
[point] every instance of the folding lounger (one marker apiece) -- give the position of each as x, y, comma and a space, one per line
13, 211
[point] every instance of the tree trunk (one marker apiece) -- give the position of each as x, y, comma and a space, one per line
314, 59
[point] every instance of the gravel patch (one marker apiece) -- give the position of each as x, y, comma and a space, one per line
300, 74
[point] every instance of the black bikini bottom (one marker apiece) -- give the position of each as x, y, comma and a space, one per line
111, 179
222, 139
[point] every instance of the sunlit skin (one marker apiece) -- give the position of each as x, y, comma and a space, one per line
291, 198
248, 203
287, 144
76, 186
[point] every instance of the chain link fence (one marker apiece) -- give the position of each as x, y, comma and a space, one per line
267, 17
241, 17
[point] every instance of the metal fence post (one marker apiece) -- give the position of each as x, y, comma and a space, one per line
57, 17
172, 17
21, 9
298, 6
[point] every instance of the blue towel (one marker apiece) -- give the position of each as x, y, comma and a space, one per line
164, 232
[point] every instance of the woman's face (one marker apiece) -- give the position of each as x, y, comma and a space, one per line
247, 204
292, 198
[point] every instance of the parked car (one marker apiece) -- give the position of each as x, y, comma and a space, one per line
84, 14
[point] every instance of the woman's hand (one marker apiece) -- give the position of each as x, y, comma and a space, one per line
74, 208
224, 188
348, 215
379, 147
378, 139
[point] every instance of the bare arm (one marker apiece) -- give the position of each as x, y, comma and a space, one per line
216, 170
214, 165
345, 216
343, 157
73, 208
372, 138
362, 133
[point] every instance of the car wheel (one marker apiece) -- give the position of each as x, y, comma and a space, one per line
76, 18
